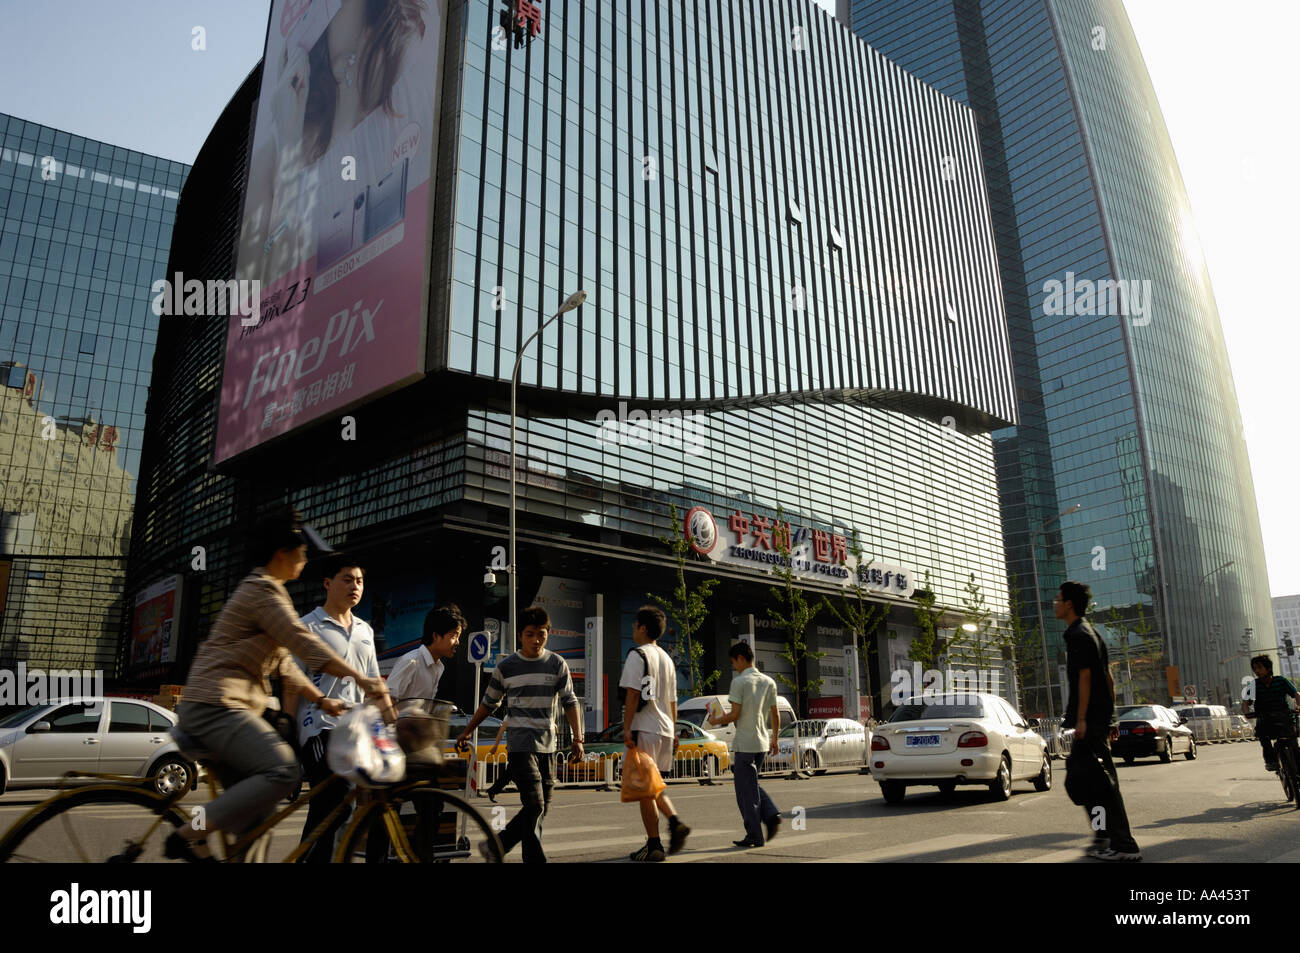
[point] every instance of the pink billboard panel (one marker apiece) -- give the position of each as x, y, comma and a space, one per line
336, 220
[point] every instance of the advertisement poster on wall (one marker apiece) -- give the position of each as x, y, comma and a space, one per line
336, 219
155, 621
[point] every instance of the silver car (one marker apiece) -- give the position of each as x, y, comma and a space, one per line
40, 744
823, 743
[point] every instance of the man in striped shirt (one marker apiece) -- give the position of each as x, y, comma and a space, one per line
531, 680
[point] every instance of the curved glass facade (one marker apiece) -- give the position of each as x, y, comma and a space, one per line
1140, 424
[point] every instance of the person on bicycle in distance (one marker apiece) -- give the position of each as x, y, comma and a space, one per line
227, 688
1272, 710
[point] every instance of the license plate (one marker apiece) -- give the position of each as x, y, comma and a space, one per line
922, 741
1123, 732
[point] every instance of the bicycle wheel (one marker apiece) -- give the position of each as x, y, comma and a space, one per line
94, 826
419, 824
1288, 770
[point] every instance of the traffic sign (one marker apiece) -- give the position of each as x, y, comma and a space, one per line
479, 647
1189, 692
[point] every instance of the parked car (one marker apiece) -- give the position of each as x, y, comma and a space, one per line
945, 741
1207, 722
1149, 731
696, 711
823, 743
1240, 728
42, 743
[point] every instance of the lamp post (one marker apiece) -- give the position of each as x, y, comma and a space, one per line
571, 302
1038, 598
1217, 627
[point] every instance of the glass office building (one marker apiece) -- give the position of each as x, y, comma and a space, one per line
84, 228
1127, 405
817, 292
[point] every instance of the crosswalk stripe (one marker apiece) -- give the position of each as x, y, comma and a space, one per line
787, 841
918, 850
1076, 853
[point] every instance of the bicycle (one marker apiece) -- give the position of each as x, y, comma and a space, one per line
1288, 760
409, 822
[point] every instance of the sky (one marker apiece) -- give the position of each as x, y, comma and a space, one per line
128, 72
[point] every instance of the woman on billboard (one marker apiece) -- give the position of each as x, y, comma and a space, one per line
338, 95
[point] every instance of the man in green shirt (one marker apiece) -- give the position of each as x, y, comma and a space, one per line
753, 709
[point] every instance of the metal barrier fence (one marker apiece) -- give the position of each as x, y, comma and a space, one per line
605, 770
1058, 742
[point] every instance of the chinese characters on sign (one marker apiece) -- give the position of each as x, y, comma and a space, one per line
755, 538
309, 396
523, 19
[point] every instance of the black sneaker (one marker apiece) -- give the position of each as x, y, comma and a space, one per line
747, 843
773, 825
648, 854
677, 837
1132, 856
1270, 766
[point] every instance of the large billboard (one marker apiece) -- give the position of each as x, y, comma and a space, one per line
336, 218
155, 622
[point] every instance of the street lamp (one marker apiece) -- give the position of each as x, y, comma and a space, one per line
1217, 627
571, 302
1038, 597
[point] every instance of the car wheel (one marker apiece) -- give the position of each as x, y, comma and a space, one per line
1129, 759
893, 791
1044, 780
1000, 787
946, 788
1191, 749
4, 779
170, 776
1166, 754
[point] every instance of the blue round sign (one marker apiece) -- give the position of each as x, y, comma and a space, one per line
478, 647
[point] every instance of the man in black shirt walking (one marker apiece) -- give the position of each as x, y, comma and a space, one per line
1092, 703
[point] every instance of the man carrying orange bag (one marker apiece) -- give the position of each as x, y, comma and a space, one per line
649, 730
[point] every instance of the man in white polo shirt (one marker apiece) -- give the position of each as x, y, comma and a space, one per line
353, 639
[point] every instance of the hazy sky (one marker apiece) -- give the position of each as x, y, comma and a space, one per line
126, 72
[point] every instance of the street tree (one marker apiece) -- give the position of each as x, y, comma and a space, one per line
794, 612
856, 610
688, 609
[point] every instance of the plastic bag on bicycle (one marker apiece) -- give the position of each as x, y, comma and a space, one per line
364, 750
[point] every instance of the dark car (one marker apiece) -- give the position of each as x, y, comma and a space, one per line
1147, 731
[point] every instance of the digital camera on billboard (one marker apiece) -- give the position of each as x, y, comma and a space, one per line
386, 200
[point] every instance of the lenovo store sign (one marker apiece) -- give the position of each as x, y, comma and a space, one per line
760, 542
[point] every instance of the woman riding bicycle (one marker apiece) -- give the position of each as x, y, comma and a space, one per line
228, 687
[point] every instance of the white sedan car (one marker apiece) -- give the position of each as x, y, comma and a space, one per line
123, 736
823, 743
947, 740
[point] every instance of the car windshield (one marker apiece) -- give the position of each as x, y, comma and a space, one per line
695, 716
18, 717
806, 729
1144, 713
917, 710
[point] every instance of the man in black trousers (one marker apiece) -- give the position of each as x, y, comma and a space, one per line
1092, 703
